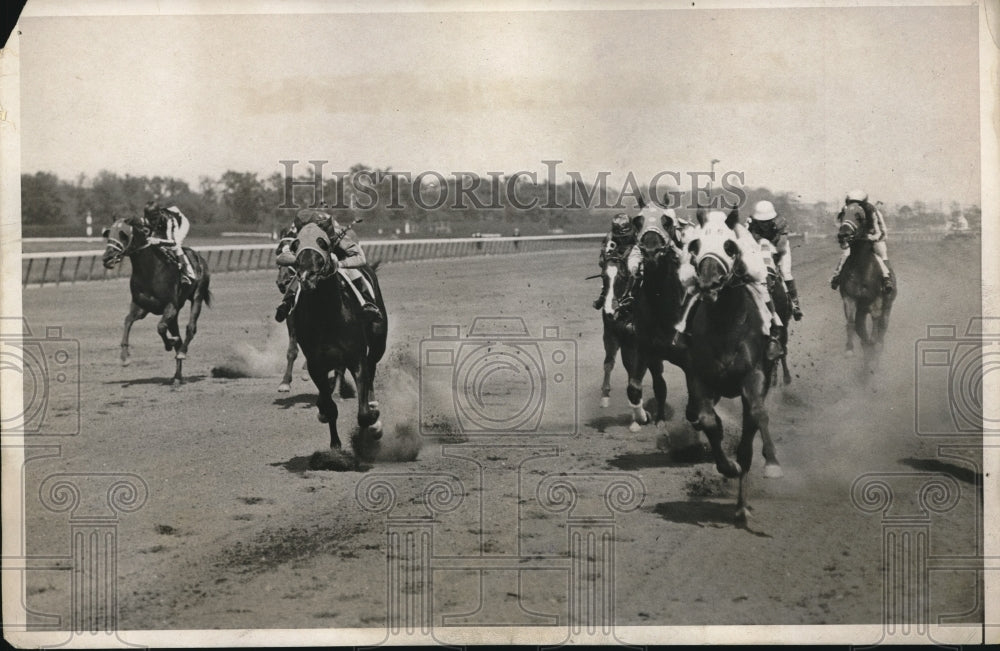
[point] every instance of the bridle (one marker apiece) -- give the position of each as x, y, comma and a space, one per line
120, 250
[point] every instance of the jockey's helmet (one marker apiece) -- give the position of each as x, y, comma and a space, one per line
856, 195
763, 211
621, 224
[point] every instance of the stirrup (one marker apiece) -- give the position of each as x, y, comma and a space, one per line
371, 312
835, 281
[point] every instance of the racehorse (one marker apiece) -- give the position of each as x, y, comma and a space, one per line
156, 286
334, 334
861, 286
285, 276
655, 310
618, 335
727, 353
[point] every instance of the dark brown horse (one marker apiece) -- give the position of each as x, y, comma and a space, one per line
727, 357
656, 309
334, 334
156, 286
285, 276
861, 288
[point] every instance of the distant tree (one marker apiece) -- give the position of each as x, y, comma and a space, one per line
41, 201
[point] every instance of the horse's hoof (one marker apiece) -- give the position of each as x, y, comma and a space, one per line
661, 425
375, 431
373, 404
634, 427
284, 387
180, 356
126, 362
743, 515
322, 418
848, 353
605, 402
176, 381
773, 471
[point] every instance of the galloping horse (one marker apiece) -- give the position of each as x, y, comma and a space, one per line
655, 310
334, 334
156, 286
285, 276
618, 335
861, 286
727, 353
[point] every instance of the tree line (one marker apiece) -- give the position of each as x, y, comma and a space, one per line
246, 201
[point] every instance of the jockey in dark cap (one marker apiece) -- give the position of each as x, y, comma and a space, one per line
349, 255
616, 245
171, 227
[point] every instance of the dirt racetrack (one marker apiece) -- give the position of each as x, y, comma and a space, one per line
237, 532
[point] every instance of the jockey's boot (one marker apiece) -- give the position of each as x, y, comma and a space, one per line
774, 349
835, 281
887, 281
793, 296
187, 271
369, 308
599, 303
287, 302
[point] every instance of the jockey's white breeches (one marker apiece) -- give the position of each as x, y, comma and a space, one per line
785, 262
760, 296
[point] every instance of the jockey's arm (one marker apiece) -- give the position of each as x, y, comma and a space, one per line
353, 256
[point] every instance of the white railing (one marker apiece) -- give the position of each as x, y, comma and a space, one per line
53, 268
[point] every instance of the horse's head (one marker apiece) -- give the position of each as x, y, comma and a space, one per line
714, 250
312, 255
657, 234
852, 225
123, 237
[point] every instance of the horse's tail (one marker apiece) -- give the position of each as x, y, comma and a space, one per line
203, 292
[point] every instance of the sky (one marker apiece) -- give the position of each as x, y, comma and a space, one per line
814, 101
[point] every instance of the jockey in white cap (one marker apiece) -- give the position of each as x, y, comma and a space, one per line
767, 224
876, 233
749, 265
173, 226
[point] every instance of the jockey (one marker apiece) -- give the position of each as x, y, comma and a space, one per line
767, 224
875, 232
749, 266
349, 255
173, 226
617, 244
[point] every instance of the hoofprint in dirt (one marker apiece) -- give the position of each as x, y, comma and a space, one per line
239, 532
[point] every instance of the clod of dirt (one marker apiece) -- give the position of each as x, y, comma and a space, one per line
702, 485
336, 460
165, 529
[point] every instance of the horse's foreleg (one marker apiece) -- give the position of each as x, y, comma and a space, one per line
134, 314
368, 414
290, 354
850, 308
610, 351
659, 392
324, 401
635, 375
